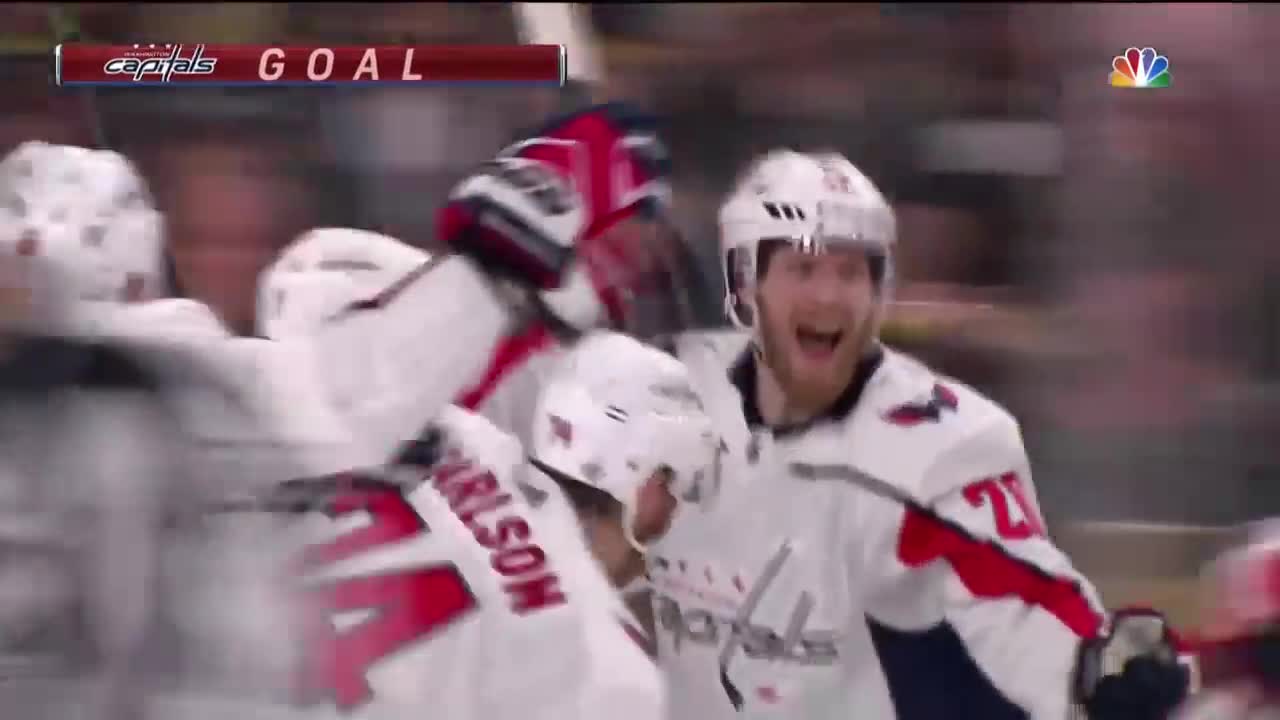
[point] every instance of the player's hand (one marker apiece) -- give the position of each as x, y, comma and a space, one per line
516, 217
533, 213
1132, 671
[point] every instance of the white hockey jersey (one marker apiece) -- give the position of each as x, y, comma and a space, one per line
886, 562
889, 559
256, 410
507, 391
456, 599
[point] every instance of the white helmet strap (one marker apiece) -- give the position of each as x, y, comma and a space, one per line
629, 527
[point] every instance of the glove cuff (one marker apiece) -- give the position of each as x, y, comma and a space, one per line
579, 304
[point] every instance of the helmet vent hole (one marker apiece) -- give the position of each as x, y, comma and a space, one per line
780, 211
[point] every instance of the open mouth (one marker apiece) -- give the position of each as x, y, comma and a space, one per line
818, 343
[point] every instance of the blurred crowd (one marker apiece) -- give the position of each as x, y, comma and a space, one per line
1098, 259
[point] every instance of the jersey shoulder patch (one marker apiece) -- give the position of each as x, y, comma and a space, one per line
911, 416
908, 394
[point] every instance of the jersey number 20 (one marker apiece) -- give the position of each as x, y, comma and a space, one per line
403, 606
998, 492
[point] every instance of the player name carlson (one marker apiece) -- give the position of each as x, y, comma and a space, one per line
83, 64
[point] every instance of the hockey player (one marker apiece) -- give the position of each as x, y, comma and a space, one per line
621, 432
896, 559
876, 542
468, 467
496, 578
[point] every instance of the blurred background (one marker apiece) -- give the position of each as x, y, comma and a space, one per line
1099, 260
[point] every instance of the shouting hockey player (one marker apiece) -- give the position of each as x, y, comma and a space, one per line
876, 544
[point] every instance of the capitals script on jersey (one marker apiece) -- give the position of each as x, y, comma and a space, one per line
898, 570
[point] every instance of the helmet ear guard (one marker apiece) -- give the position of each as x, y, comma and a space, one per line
739, 278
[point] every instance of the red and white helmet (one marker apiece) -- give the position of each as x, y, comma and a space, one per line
809, 201
1236, 646
86, 212
325, 270
616, 411
1244, 583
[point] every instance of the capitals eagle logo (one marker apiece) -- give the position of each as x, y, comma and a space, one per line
941, 399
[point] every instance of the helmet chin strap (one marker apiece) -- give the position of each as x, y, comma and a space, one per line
628, 529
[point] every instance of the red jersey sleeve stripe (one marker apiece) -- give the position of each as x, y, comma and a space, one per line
990, 572
510, 355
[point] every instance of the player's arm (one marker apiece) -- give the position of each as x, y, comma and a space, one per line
400, 355
520, 221
508, 390
977, 558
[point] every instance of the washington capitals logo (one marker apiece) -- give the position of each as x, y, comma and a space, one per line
912, 414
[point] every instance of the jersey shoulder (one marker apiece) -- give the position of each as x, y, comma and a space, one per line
912, 420
719, 348
171, 321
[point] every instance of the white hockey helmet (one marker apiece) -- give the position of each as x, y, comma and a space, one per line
810, 201
617, 410
89, 214
325, 270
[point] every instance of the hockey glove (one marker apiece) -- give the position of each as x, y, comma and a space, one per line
517, 218
532, 211
1131, 671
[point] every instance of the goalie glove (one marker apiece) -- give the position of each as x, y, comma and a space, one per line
547, 200
1132, 670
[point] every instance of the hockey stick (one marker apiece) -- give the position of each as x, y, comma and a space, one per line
566, 24
569, 25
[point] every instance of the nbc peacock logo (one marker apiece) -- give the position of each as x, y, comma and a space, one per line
1140, 69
